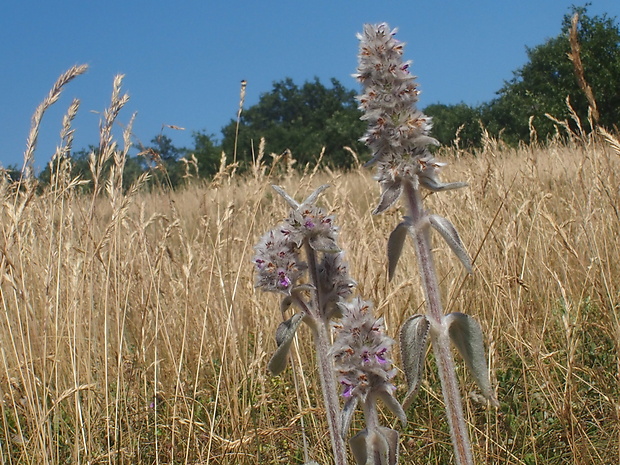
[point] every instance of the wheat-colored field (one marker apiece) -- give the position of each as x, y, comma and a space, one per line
131, 332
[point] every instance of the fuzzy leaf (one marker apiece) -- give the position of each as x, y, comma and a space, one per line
467, 336
375, 158
284, 338
290, 200
451, 236
358, 447
395, 245
413, 344
324, 244
436, 186
390, 192
391, 437
347, 413
427, 140
315, 195
394, 406
286, 303
381, 444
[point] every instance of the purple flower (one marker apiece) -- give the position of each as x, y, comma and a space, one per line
398, 134
277, 261
347, 388
361, 351
284, 281
381, 355
310, 223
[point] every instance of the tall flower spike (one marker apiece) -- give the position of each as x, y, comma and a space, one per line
398, 135
310, 233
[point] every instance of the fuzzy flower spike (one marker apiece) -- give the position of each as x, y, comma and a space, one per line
363, 361
398, 135
300, 259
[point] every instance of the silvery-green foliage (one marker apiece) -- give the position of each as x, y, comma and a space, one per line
301, 260
284, 338
376, 447
413, 345
395, 245
279, 268
398, 135
466, 335
452, 238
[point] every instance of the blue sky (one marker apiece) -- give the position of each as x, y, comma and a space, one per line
183, 60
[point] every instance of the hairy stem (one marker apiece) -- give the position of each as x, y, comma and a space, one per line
330, 396
371, 416
325, 362
439, 331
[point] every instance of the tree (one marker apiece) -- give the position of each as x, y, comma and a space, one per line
303, 119
448, 119
207, 153
79, 162
163, 158
543, 83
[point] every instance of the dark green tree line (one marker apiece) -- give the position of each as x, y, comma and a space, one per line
543, 83
305, 118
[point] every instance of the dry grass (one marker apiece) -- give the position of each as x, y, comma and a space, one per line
131, 331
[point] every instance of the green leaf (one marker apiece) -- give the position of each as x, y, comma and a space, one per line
347, 414
395, 245
413, 344
467, 336
284, 338
452, 238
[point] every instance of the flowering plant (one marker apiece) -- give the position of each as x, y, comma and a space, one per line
301, 260
398, 135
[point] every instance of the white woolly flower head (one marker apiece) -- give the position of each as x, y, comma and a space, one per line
398, 133
389, 97
362, 351
277, 261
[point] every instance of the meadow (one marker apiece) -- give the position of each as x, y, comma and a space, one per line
131, 331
